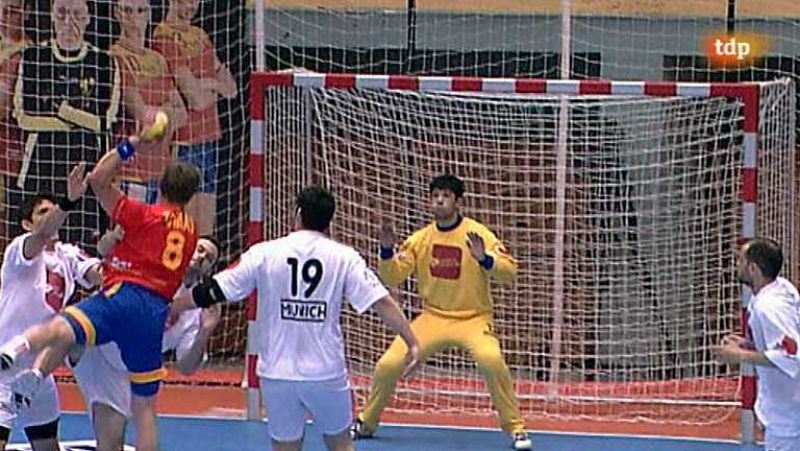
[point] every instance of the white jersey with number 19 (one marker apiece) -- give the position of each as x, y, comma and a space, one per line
301, 281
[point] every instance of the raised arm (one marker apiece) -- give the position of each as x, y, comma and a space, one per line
393, 267
492, 255
102, 177
54, 219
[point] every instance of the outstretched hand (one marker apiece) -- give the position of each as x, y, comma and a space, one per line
476, 246
77, 182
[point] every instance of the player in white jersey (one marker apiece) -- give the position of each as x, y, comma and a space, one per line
39, 275
101, 374
301, 281
774, 329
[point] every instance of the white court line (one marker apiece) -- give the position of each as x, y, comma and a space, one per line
584, 434
480, 429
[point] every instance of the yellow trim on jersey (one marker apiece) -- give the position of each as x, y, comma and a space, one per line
112, 290
116, 95
30, 145
85, 323
85, 46
147, 377
41, 123
79, 117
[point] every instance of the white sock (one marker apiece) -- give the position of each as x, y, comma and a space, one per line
16, 347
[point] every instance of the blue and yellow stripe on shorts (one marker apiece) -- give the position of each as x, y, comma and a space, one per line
148, 376
84, 322
112, 290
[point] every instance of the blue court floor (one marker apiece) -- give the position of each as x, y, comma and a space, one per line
199, 434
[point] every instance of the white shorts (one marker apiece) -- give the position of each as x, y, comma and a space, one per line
101, 382
774, 442
328, 402
43, 409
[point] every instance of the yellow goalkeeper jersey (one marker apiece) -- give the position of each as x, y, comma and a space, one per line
451, 282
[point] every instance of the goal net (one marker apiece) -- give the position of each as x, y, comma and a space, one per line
622, 202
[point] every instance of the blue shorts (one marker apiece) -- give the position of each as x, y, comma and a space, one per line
131, 316
204, 156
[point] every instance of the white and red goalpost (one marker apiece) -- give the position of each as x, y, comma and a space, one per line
645, 195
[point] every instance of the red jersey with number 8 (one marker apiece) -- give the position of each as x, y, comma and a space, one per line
156, 248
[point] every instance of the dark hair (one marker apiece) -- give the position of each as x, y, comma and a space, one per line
449, 182
766, 254
26, 211
210, 238
316, 206
179, 182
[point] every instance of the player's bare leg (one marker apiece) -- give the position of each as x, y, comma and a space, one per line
339, 442
144, 420
52, 341
287, 446
57, 335
48, 360
109, 427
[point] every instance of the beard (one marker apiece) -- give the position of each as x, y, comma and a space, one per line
743, 279
192, 272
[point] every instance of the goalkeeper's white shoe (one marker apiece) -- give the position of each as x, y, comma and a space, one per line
521, 441
359, 432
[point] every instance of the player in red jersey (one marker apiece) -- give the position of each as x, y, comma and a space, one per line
140, 277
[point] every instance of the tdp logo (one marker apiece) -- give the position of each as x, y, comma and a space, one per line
79, 445
731, 48
734, 50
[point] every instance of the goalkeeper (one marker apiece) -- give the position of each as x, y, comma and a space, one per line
453, 259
